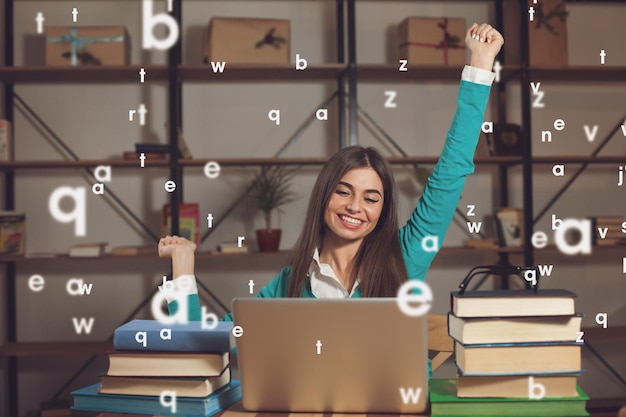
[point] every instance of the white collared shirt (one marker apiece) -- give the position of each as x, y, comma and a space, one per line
324, 281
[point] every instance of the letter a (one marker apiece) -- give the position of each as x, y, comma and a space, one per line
558, 170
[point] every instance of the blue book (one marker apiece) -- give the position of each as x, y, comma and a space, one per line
152, 335
90, 399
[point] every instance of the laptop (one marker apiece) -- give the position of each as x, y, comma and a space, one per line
331, 355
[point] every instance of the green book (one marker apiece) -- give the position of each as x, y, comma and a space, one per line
444, 402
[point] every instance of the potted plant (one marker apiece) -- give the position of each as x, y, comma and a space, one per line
270, 191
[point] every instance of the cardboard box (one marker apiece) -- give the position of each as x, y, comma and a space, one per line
12, 232
432, 41
247, 41
6, 141
87, 46
547, 35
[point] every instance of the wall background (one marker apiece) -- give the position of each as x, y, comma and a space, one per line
230, 120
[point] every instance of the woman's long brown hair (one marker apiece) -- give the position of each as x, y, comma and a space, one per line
378, 263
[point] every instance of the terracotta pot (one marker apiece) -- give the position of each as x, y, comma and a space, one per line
269, 239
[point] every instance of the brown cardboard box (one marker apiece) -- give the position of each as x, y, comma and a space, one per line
247, 41
432, 41
547, 35
87, 46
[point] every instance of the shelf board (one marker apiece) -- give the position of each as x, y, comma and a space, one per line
111, 74
261, 73
287, 72
23, 349
580, 73
211, 255
224, 162
429, 160
87, 163
415, 73
574, 159
121, 163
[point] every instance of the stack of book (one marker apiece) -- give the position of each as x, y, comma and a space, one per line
608, 230
517, 353
173, 369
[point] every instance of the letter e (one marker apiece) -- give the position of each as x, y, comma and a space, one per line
237, 331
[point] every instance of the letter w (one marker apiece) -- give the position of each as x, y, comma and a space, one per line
83, 324
86, 289
218, 66
474, 227
410, 394
545, 270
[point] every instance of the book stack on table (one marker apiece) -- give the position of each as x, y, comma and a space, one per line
518, 353
165, 369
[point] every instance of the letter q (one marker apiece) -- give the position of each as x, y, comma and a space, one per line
78, 215
274, 116
142, 338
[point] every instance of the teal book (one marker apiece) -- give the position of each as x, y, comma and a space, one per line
152, 335
90, 399
445, 402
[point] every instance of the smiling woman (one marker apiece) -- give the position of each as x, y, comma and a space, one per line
350, 244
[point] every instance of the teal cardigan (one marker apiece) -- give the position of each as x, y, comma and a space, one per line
434, 210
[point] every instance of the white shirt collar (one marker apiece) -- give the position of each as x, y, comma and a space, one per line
324, 281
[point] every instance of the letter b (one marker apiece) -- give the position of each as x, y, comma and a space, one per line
532, 387
150, 21
301, 63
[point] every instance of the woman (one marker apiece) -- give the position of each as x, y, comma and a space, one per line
350, 244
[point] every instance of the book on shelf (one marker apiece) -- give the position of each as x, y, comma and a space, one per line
477, 330
608, 220
6, 141
12, 233
189, 221
134, 250
184, 387
518, 358
480, 243
182, 337
232, 247
183, 148
151, 148
608, 230
150, 156
90, 398
513, 303
88, 250
133, 363
515, 386
445, 402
